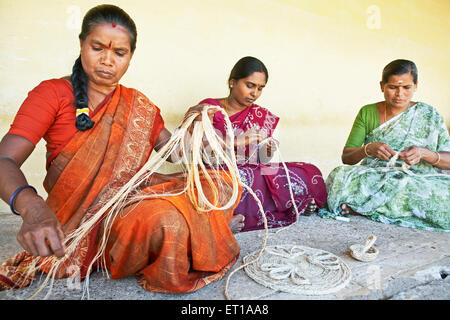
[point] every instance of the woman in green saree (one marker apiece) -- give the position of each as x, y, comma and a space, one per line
404, 146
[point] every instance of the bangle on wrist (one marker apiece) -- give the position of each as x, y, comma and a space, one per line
14, 195
438, 160
365, 150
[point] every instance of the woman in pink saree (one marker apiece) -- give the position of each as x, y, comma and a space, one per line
252, 125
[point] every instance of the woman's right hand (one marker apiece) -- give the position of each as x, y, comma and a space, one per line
41, 233
380, 150
249, 137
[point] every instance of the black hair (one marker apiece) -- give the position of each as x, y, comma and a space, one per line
398, 67
245, 67
100, 14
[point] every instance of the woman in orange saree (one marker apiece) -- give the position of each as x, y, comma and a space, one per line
164, 241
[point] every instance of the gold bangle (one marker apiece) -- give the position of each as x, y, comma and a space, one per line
439, 158
365, 150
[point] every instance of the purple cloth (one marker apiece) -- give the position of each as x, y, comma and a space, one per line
269, 181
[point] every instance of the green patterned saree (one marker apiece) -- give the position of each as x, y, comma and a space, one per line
418, 197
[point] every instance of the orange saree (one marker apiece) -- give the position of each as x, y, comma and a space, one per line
163, 241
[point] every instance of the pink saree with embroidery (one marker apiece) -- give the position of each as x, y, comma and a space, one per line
269, 181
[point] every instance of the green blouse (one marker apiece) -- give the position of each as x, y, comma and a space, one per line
366, 120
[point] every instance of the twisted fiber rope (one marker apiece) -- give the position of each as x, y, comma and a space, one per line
299, 270
366, 252
404, 167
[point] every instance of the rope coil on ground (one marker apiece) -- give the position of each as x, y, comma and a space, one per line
366, 252
298, 269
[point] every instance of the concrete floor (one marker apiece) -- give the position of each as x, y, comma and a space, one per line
411, 265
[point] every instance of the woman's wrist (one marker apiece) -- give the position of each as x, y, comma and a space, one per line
438, 159
435, 158
25, 200
432, 157
15, 195
366, 150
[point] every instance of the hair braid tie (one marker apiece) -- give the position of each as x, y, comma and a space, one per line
79, 84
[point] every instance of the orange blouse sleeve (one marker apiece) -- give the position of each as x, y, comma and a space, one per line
37, 113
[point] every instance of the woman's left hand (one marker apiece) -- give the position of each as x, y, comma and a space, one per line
271, 146
268, 149
412, 155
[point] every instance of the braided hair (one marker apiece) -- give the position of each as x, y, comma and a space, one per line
95, 16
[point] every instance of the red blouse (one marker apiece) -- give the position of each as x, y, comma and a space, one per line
49, 112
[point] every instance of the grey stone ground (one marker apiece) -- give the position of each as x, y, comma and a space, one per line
412, 264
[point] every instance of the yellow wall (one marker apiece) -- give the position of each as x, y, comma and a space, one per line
324, 58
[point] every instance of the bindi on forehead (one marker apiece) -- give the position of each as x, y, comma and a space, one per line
114, 25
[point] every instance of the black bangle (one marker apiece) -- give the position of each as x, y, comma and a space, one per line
14, 195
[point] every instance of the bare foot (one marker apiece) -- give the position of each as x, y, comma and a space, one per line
310, 208
346, 210
237, 223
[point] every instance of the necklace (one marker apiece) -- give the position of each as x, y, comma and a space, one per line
226, 105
